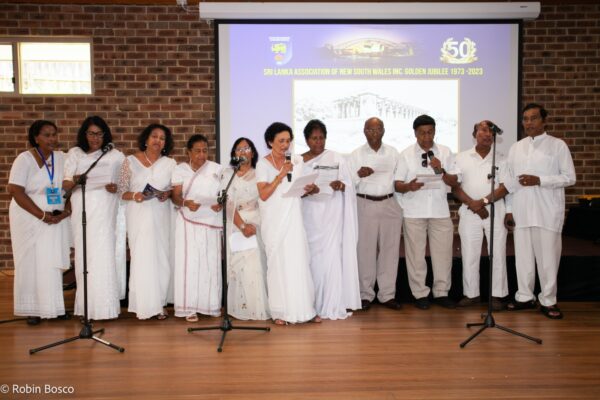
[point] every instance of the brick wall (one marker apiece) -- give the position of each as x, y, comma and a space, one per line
156, 63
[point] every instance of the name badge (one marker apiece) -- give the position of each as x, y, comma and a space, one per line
53, 195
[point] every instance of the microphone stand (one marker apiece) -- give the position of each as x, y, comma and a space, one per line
87, 330
226, 324
489, 321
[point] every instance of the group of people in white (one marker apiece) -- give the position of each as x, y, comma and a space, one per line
308, 236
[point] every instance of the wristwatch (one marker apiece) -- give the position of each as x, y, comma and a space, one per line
485, 201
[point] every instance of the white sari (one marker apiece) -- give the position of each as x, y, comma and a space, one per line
246, 272
289, 281
331, 226
40, 251
102, 234
198, 279
148, 233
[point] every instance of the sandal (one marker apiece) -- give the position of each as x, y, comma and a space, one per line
192, 318
163, 315
552, 312
280, 322
316, 319
521, 305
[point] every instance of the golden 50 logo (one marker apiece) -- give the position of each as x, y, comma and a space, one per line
455, 52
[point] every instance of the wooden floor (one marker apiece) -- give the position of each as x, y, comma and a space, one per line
379, 354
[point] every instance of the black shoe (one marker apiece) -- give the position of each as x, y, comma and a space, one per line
392, 304
365, 304
498, 304
33, 320
422, 303
445, 302
521, 305
65, 317
468, 301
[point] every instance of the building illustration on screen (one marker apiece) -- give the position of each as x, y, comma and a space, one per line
370, 48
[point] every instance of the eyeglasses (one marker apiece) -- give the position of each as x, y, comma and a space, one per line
376, 130
98, 134
245, 149
424, 162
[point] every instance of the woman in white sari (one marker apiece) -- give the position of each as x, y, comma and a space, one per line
102, 202
331, 226
198, 229
289, 282
246, 279
145, 182
38, 229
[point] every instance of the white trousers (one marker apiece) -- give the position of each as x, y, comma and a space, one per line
541, 246
440, 232
471, 229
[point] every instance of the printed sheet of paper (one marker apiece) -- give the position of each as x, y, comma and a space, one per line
239, 242
205, 203
327, 174
430, 181
297, 187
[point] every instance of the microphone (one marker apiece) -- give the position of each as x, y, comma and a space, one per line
288, 157
108, 147
238, 160
431, 156
496, 129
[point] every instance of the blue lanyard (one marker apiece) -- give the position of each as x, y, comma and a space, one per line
50, 174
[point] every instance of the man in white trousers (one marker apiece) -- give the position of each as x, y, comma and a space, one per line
426, 213
473, 167
539, 168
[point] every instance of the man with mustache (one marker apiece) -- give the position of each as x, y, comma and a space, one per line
539, 168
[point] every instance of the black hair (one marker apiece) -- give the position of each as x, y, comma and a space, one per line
143, 138
274, 129
36, 128
312, 125
254, 158
423, 120
530, 106
82, 141
487, 122
198, 137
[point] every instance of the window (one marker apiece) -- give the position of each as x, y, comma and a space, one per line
45, 67
6, 68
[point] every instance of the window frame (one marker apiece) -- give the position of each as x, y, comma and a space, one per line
15, 42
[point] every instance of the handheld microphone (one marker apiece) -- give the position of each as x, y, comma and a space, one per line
431, 156
108, 147
288, 157
496, 129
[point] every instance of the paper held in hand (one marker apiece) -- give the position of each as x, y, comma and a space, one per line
239, 242
150, 192
430, 181
297, 187
327, 174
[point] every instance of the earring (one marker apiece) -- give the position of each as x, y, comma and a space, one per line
163, 151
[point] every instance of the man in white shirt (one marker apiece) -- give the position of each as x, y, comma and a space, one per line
426, 213
379, 216
473, 167
539, 168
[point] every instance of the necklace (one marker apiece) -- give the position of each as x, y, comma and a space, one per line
275, 162
147, 159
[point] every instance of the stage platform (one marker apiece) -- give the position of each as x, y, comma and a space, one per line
578, 275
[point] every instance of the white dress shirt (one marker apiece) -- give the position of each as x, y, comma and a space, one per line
473, 171
384, 162
543, 205
424, 203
